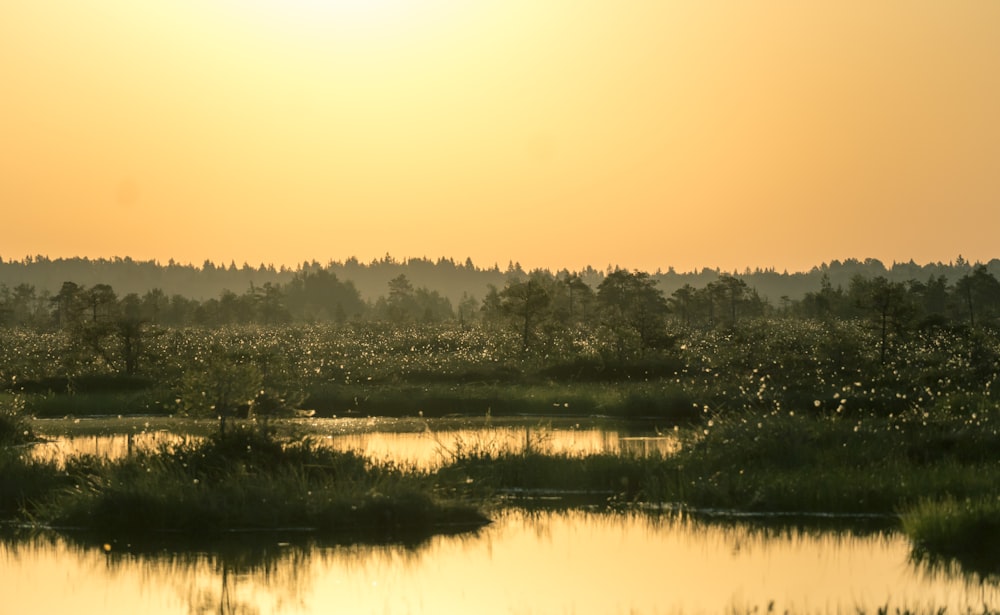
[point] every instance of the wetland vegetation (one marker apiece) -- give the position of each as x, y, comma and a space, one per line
874, 399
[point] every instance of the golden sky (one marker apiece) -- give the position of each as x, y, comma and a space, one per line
557, 133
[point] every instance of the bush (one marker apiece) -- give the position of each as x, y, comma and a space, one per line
14, 427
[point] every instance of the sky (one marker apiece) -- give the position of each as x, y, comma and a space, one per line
557, 134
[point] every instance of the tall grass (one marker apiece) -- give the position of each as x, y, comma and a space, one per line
967, 530
25, 483
779, 462
248, 480
14, 426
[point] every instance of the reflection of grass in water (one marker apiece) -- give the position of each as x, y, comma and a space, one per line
775, 462
966, 531
248, 480
492, 462
489, 442
25, 482
822, 462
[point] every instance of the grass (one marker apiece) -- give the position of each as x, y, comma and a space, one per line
99, 403
15, 429
966, 530
25, 482
772, 463
664, 401
779, 415
242, 480
803, 462
939, 474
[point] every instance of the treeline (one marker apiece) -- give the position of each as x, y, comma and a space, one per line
307, 297
626, 319
538, 301
451, 279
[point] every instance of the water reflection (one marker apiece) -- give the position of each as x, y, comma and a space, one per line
527, 562
424, 444
108, 446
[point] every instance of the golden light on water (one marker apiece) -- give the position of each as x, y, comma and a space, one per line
645, 134
525, 563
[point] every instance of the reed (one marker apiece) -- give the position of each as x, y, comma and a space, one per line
248, 480
963, 529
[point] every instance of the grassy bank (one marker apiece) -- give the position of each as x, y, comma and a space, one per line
966, 530
778, 462
240, 480
940, 470
661, 400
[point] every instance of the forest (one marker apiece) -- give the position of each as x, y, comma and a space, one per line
450, 278
40, 293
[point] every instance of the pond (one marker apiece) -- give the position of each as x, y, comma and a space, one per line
421, 443
584, 560
576, 561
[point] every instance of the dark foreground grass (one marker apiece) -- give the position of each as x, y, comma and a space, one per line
941, 474
25, 482
760, 462
660, 400
100, 403
241, 481
965, 530
14, 426
779, 462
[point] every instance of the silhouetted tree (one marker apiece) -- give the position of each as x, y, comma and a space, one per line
468, 309
69, 305
525, 303
102, 304
492, 308
729, 293
219, 386
979, 291
682, 300
632, 306
400, 305
579, 298
130, 328
889, 304
270, 304
321, 295
154, 304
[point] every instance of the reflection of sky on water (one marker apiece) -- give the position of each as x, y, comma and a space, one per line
542, 562
421, 448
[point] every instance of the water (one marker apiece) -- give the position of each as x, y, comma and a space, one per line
581, 562
424, 444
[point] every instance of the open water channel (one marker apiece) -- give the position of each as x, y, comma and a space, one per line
527, 561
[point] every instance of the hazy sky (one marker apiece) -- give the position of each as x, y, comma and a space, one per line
556, 133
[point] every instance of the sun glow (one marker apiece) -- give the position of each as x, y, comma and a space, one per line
566, 133
332, 9
369, 17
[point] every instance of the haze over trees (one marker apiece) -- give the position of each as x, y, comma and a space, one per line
631, 314
451, 279
39, 292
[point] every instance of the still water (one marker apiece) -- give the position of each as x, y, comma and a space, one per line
582, 562
573, 562
423, 444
